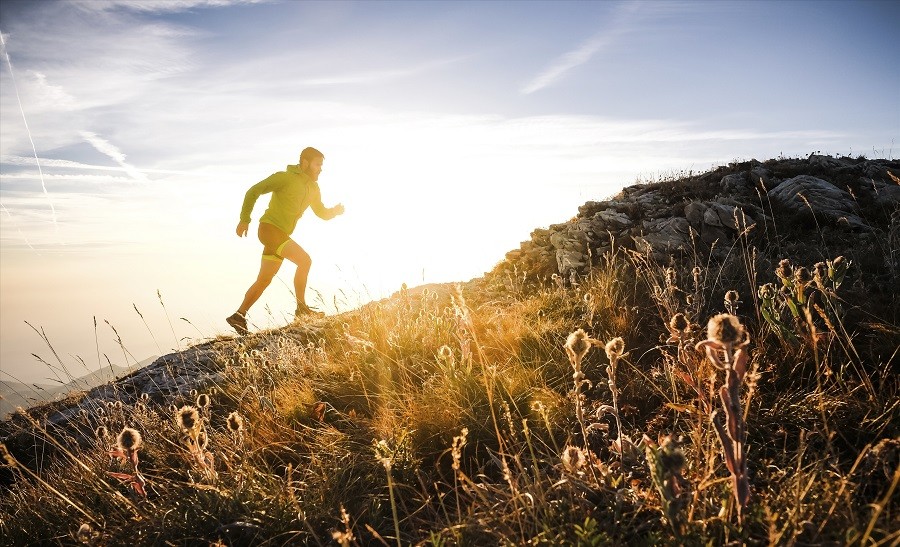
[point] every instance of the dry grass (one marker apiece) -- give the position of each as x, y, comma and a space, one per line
357, 438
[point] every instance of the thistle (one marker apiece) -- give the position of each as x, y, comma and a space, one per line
127, 445
665, 462
731, 302
615, 349
724, 346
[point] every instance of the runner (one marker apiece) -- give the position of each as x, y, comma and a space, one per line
293, 190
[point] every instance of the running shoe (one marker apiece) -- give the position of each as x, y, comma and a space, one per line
303, 311
238, 322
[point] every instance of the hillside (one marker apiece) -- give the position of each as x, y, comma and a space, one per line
588, 390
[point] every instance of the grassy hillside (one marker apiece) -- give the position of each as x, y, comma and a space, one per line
512, 411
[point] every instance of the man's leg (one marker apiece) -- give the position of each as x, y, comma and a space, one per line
268, 267
301, 258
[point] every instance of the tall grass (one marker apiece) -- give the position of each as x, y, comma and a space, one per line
450, 417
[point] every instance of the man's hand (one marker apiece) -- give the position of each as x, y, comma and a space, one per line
242, 228
338, 209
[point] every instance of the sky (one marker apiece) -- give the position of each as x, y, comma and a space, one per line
131, 129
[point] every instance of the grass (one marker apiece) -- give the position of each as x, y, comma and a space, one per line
449, 416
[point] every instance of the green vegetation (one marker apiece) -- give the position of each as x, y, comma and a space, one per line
479, 415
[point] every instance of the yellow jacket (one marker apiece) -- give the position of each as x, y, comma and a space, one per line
292, 192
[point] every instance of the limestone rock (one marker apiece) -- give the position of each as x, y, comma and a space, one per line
804, 195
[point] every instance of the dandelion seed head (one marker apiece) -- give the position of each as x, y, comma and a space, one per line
725, 329
129, 440
615, 348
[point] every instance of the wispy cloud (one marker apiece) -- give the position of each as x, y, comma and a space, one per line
162, 6
617, 27
105, 147
49, 163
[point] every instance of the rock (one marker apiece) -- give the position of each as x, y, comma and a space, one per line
694, 212
613, 220
736, 183
804, 195
666, 235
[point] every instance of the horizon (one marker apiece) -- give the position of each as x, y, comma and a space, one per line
451, 130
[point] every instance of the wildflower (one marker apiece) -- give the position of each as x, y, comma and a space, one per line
445, 353
101, 432
577, 345
203, 400
118, 405
129, 440
820, 273
767, 292
731, 301
678, 328
573, 459
802, 276
615, 348
725, 329
785, 271
679, 323
235, 422
188, 418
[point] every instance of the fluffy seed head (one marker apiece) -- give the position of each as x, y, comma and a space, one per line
679, 322
129, 440
731, 297
101, 432
615, 348
577, 346
725, 329
235, 422
203, 400
573, 458
188, 418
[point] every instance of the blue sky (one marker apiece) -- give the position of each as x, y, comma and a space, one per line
451, 130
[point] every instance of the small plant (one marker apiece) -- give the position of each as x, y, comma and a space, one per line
725, 347
128, 443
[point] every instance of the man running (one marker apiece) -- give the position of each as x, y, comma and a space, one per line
293, 190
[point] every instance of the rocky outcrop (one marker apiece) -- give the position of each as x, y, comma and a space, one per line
703, 215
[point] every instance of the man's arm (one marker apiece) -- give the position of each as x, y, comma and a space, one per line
271, 183
325, 213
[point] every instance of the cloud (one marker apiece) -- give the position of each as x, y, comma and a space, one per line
105, 147
162, 6
620, 23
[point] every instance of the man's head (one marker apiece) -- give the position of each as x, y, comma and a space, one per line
311, 162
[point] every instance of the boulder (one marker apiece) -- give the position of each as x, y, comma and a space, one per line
805, 195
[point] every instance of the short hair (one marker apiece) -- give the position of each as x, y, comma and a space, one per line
309, 153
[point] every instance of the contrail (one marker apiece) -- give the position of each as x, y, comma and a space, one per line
5, 210
27, 130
